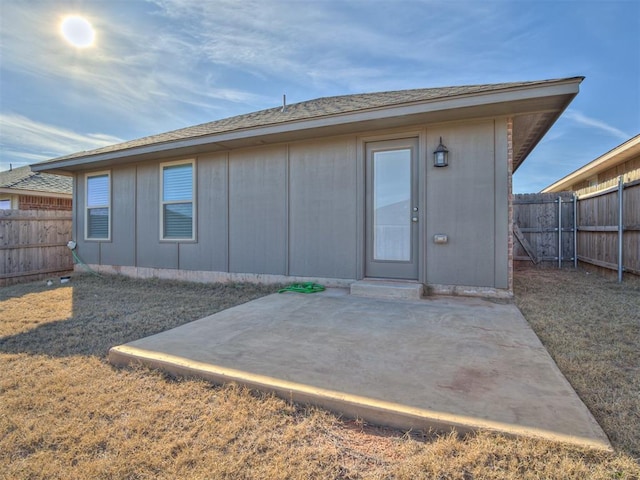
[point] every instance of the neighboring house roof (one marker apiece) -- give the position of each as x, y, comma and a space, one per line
614, 157
534, 105
23, 180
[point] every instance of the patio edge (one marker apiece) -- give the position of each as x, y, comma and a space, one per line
374, 411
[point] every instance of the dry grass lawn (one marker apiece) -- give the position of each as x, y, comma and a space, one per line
591, 327
66, 413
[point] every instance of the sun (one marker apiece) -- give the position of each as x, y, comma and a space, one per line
77, 31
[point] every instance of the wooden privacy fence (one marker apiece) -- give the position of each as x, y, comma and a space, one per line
33, 244
544, 227
600, 228
609, 228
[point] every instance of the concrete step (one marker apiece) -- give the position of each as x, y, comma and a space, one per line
388, 289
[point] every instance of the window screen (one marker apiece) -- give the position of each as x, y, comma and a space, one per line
98, 205
177, 201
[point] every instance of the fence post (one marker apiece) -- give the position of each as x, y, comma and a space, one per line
575, 231
559, 232
620, 225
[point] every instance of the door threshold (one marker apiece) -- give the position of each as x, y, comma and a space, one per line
383, 279
388, 288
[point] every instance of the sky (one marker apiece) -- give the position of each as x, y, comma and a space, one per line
160, 65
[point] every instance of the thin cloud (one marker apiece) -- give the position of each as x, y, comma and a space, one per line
328, 44
132, 67
582, 119
28, 140
25, 158
180, 76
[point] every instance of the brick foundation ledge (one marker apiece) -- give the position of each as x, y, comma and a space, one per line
200, 276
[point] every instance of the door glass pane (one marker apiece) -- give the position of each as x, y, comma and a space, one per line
392, 205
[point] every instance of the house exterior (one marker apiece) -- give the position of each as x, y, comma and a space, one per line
603, 172
332, 190
23, 189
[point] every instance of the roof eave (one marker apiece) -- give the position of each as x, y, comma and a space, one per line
34, 193
504, 102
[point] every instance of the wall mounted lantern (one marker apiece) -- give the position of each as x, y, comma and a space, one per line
441, 156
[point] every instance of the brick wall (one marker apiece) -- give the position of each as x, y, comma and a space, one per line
32, 202
510, 183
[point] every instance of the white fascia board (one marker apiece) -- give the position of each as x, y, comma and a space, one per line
569, 87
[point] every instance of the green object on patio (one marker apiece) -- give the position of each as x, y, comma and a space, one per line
307, 287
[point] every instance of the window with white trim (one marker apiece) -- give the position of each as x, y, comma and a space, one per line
98, 206
177, 187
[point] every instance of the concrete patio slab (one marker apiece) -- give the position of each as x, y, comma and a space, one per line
436, 363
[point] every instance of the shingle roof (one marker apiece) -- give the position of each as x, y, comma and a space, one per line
312, 109
22, 178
